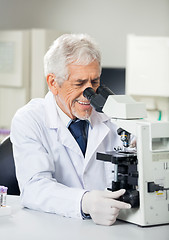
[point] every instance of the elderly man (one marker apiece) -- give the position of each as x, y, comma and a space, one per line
57, 170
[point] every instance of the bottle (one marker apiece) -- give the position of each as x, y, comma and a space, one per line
3, 196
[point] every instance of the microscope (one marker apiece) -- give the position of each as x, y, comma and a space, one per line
142, 170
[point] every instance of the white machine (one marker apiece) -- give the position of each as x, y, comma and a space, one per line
143, 171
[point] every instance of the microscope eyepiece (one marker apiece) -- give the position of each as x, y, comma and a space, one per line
96, 100
89, 93
104, 91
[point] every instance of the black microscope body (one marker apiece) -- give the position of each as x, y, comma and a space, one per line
125, 161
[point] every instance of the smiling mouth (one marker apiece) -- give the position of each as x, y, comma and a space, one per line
84, 103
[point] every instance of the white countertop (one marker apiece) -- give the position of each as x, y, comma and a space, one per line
25, 224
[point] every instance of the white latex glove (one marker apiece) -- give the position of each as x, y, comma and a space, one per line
102, 206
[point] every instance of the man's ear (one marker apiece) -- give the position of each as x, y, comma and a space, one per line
52, 84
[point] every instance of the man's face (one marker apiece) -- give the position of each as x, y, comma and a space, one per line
70, 94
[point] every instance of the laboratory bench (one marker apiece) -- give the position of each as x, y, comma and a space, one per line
25, 224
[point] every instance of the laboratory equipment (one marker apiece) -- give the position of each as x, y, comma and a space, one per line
144, 170
3, 193
4, 209
147, 73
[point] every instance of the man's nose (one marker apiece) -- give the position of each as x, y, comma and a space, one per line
88, 84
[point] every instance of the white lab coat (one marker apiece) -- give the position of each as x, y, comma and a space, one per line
51, 170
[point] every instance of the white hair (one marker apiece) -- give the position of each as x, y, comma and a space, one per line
79, 49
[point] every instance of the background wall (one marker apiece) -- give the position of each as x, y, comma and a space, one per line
108, 21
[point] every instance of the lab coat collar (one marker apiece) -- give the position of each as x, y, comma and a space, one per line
97, 118
97, 127
99, 131
51, 113
53, 121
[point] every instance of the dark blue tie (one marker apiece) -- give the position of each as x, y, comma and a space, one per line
79, 130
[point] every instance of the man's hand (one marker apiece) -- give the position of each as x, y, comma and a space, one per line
103, 206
